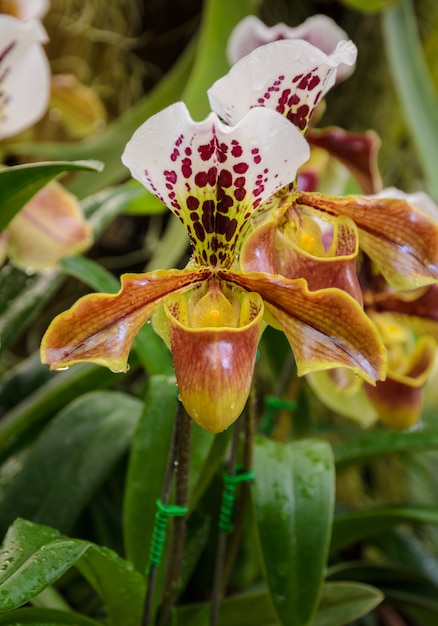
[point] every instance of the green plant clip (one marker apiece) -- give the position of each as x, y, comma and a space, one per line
163, 513
273, 404
229, 496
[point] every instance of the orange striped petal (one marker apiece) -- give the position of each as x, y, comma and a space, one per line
214, 363
100, 328
402, 241
326, 328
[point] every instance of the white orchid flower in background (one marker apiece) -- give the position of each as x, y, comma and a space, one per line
24, 74
319, 30
25, 9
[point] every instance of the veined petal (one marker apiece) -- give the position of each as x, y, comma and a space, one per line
402, 241
48, 228
290, 76
213, 176
318, 30
357, 151
24, 75
100, 328
326, 328
398, 399
214, 364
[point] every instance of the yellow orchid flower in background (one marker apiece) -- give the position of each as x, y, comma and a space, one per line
214, 177
48, 228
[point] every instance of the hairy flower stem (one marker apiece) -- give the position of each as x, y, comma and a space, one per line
218, 587
165, 499
181, 469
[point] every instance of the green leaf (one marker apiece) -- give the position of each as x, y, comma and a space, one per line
121, 588
147, 467
45, 617
400, 585
248, 609
21, 380
90, 273
70, 459
370, 6
341, 603
414, 85
374, 444
359, 525
18, 184
294, 497
34, 556
22, 297
38, 407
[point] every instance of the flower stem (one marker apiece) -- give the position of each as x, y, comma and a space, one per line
221, 547
244, 493
181, 469
165, 500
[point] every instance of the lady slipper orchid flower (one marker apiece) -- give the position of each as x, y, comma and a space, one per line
356, 151
48, 228
214, 178
401, 240
408, 324
24, 74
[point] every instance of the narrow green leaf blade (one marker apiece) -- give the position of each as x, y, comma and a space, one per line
370, 6
359, 525
147, 467
248, 609
413, 84
70, 459
294, 498
46, 617
342, 603
50, 397
374, 444
18, 184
